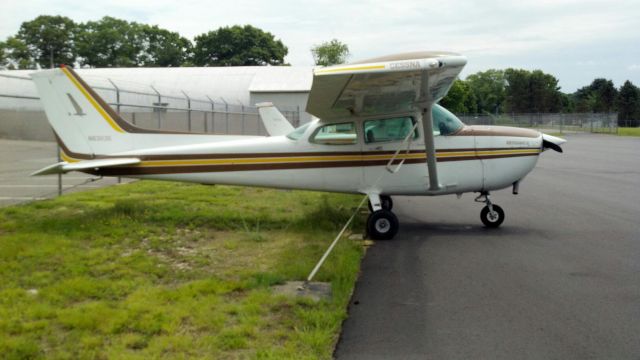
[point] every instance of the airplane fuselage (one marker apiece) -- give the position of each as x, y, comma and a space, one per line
476, 158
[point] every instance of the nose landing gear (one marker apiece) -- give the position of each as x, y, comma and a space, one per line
491, 215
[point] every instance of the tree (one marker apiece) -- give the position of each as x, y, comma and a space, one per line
531, 91
50, 40
330, 53
628, 102
460, 99
3, 55
489, 89
238, 46
109, 42
605, 93
160, 47
18, 55
600, 96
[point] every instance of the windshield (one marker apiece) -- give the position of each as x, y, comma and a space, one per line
297, 133
444, 122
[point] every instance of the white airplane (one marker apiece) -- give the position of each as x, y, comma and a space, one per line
377, 131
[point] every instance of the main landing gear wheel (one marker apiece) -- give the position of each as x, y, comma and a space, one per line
492, 219
385, 202
382, 225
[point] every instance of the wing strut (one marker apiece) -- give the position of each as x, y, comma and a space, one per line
426, 116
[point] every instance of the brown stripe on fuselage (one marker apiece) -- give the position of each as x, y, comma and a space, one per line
179, 169
218, 156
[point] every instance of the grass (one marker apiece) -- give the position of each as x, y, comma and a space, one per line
622, 131
625, 131
167, 270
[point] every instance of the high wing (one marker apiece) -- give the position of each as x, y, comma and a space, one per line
385, 85
403, 83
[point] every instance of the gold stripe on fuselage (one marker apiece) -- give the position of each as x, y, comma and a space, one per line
326, 158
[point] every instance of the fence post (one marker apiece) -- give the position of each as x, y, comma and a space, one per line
297, 116
242, 111
157, 108
226, 114
117, 108
213, 114
188, 110
117, 95
59, 175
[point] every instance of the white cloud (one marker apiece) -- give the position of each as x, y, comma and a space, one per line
488, 32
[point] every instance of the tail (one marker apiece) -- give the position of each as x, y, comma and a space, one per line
82, 120
273, 120
87, 127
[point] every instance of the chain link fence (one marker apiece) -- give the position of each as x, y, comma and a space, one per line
556, 122
150, 107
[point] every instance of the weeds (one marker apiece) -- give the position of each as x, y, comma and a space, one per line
154, 269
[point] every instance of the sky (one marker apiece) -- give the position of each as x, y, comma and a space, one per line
574, 40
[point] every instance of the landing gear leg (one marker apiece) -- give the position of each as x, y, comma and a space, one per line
382, 224
385, 202
491, 215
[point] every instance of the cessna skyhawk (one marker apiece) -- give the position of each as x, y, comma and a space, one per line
377, 131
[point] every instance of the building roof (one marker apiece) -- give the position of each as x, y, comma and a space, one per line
231, 84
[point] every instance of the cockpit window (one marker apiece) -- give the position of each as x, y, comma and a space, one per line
444, 122
336, 134
298, 132
393, 129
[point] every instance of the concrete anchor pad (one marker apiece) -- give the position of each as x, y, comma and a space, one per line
314, 290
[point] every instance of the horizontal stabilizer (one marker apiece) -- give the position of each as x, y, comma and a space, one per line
274, 122
65, 167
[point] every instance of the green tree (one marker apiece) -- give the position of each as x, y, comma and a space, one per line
489, 89
3, 55
18, 55
50, 40
460, 99
160, 47
330, 53
531, 91
584, 100
238, 46
605, 93
600, 96
109, 42
628, 102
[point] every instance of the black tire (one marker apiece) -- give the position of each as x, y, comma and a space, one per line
382, 225
385, 202
492, 221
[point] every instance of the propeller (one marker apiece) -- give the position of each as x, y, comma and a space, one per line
552, 142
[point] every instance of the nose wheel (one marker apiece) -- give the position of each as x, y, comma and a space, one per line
491, 215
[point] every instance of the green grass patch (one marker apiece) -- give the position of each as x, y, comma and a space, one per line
170, 270
629, 131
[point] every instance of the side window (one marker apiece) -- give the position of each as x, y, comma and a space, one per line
336, 134
394, 129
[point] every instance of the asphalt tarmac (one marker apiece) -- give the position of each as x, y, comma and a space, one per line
19, 158
559, 280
